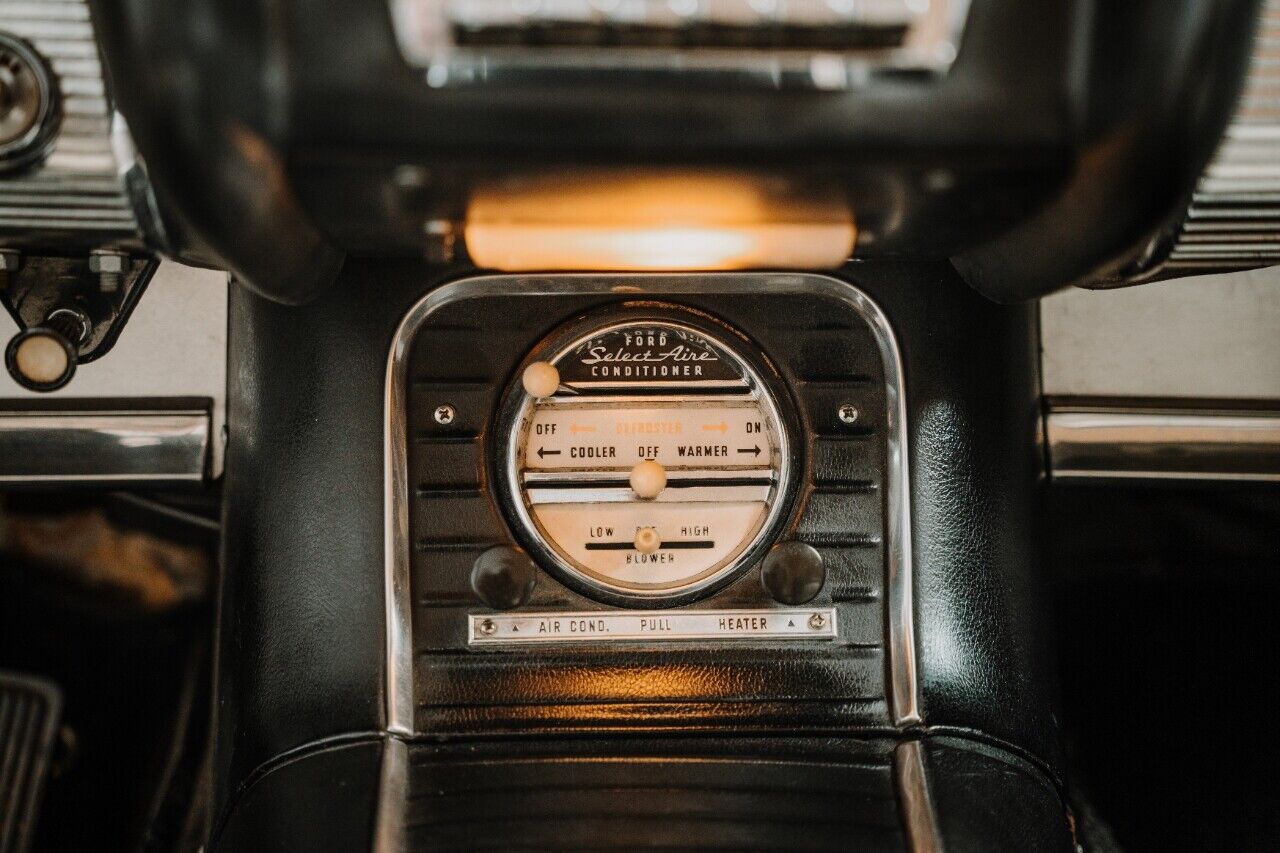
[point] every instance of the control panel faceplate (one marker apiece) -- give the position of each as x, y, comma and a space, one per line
491, 624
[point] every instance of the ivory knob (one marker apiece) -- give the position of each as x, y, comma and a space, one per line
648, 479
647, 540
42, 359
540, 379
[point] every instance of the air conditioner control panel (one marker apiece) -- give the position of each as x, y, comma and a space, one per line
646, 456
645, 465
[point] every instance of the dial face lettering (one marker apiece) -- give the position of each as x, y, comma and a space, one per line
659, 464
672, 433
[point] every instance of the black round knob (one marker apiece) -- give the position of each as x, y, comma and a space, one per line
503, 577
793, 573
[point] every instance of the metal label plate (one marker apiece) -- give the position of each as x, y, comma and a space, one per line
807, 623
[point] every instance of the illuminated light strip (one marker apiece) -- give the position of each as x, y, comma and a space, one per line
650, 221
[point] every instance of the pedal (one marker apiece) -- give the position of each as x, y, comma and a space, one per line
30, 709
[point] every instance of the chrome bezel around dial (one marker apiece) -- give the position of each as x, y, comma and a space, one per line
763, 387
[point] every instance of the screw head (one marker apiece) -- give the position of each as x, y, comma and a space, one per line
487, 627
817, 621
847, 413
445, 414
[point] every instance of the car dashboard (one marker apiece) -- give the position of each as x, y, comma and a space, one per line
617, 424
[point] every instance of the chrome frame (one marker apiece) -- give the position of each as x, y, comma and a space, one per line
932, 43
693, 624
389, 815
518, 490
1135, 442
904, 688
919, 819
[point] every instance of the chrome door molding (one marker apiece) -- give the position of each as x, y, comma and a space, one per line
91, 446
1137, 441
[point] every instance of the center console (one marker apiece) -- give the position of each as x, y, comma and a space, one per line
701, 558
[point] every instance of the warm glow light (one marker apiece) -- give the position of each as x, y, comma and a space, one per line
655, 221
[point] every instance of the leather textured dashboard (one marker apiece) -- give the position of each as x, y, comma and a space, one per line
1067, 135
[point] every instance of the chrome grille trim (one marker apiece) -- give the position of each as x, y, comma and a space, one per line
931, 33
1234, 219
80, 188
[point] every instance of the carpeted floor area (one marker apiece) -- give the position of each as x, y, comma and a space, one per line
129, 648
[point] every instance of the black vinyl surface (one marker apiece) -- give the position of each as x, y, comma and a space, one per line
1167, 625
1062, 145
619, 793
124, 677
627, 795
323, 799
301, 648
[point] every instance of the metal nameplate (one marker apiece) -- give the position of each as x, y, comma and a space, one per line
807, 623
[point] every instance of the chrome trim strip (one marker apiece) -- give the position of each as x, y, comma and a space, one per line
933, 33
649, 626
904, 688
656, 399
393, 796
701, 494
919, 819
395, 545
65, 447
531, 479
1131, 443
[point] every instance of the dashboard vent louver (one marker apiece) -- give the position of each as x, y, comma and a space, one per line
1234, 219
807, 43
78, 189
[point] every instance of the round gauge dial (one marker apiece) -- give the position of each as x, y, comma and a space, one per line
647, 458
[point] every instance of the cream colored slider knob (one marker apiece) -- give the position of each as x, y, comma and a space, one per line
540, 379
647, 540
41, 359
648, 479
